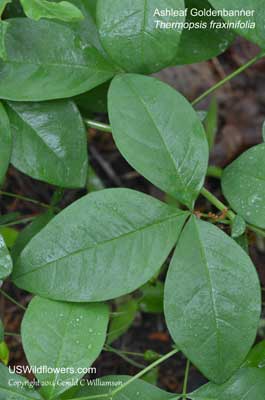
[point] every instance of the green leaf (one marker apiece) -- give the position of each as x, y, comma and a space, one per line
6, 143
29, 232
137, 389
64, 10
256, 356
84, 255
6, 264
243, 184
63, 335
239, 226
130, 36
86, 28
152, 298
247, 384
9, 235
205, 310
3, 4
53, 138
94, 183
255, 7
3, 29
62, 65
4, 355
243, 242
159, 134
197, 44
20, 388
263, 131
93, 101
211, 122
121, 322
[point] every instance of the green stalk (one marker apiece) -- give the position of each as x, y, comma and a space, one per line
124, 356
186, 378
19, 221
12, 300
12, 334
144, 371
217, 203
23, 198
230, 214
228, 78
214, 172
137, 376
97, 125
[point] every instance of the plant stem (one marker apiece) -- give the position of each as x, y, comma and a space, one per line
137, 376
230, 214
186, 378
12, 334
214, 172
28, 199
124, 357
128, 353
144, 371
19, 221
257, 230
217, 203
12, 300
97, 125
228, 78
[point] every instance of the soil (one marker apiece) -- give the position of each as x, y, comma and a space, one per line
241, 115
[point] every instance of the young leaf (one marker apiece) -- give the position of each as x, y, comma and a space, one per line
6, 143
129, 33
247, 384
159, 134
9, 235
238, 226
64, 10
4, 354
86, 28
197, 44
256, 356
137, 389
53, 138
6, 264
62, 65
112, 235
243, 242
94, 183
29, 232
256, 9
63, 335
205, 310
19, 390
152, 298
121, 322
93, 101
243, 185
